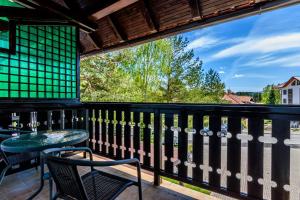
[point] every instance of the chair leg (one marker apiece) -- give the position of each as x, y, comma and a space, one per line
140, 192
2, 175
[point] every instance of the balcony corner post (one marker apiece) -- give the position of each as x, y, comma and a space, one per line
157, 147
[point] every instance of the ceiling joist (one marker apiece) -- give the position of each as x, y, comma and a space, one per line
96, 39
117, 28
196, 9
149, 15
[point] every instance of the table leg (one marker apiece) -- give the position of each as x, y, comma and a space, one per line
41, 179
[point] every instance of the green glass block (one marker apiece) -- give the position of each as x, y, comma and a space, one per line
23, 28
55, 76
32, 73
69, 89
62, 83
48, 68
3, 69
14, 78
41, 95
55, 95
73, 84
33, 29
62, 95
49, 38
41, 74
23, 64
55, 50
3, 55
56, 57
62, 71
3, 86
23, 42
49, 95
15, 56
3, 61
68, 78
55, 31
69, 95
33, 94
41, 67
14, 70
14, 63
14, 86
23, 79
55, 82
62, 89
48, 62
33, 66
49, 81
49, 55
55, 89
62, 59
33, 87
55, 38
41, 88
33, 44
14, 94
33, 59
41, 60
24, 49
33, 80
49, 88
3, 93
24, 72
73, 78
24, 34
41, 81
24, 86
32, 52
55, 44
41, 46
24, 57
56, 69
41, 53
24, 94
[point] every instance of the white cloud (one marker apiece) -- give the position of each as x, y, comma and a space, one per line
238, 75
203, 42
221, 72
275, 61
255, 45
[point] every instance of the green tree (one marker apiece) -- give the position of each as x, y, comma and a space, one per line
213, 87
270, 95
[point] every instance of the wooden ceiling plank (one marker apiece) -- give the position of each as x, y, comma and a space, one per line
53, 7
117, 28
149, 14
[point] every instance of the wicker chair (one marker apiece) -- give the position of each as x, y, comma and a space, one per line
94, 185
9, 160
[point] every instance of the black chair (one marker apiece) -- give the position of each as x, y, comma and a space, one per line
9, 160
94, 185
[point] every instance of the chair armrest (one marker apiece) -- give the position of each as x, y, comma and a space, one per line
58, 150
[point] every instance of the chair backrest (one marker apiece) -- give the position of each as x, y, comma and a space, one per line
66, 177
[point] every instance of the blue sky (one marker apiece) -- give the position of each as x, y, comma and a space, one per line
252, 52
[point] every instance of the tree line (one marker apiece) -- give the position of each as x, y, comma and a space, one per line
163, 71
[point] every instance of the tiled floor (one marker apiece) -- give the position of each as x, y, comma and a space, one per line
21, 185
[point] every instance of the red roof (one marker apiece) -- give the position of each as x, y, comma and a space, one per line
282, 85
235, 99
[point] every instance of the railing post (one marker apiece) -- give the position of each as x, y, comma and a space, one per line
157, 147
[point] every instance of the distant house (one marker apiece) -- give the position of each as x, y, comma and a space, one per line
235, 99
290, 91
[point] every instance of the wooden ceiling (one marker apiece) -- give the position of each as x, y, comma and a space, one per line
113, 24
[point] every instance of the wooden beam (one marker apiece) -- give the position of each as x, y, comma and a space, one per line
149, 15
111, 9
195, 8
96, 39
117, 28
58, 9
25, 14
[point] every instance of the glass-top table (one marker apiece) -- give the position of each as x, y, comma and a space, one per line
41, 140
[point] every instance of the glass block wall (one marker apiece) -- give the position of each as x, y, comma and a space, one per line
44, 65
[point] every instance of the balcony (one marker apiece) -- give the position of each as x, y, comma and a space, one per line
247, 152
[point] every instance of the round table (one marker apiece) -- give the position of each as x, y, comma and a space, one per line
41, 140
